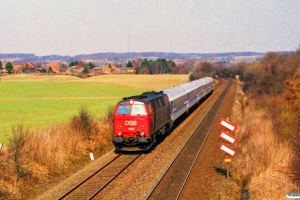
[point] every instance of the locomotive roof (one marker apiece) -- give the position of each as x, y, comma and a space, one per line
146, 96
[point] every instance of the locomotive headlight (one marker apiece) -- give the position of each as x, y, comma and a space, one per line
119, 127
142, 134
119, 134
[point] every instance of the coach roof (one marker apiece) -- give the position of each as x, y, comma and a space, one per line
175, 92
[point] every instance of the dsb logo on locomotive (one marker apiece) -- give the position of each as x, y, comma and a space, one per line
130, 123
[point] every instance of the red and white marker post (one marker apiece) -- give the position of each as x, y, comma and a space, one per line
226, 124
229, 139
227, 150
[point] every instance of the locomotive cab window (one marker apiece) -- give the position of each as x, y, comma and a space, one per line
138, 110
123, 109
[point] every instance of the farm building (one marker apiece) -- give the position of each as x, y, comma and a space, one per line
54, 66
17, 69
29, 67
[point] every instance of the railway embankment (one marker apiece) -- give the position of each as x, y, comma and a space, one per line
264, 165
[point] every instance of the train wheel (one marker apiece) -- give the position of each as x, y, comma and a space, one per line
171, 123
187, 111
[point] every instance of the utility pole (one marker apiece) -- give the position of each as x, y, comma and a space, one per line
127, 44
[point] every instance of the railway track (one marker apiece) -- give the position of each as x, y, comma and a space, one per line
96, 182
94, 185
172, 182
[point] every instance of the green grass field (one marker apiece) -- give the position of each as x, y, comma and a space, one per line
41, 101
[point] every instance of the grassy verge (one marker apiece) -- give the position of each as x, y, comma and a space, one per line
263, 167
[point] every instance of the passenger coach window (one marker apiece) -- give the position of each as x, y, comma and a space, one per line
123, 109
138, 110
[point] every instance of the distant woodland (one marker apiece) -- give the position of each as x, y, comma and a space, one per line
123, 57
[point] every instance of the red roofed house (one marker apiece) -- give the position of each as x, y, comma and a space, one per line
54, 66
101, 70
29, 67
113, 68
17, 69
106, 70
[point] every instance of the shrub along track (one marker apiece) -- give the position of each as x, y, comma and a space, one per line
139, 179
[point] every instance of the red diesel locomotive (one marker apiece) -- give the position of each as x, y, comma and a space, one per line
139, 119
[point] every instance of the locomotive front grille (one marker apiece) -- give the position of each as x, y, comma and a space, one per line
130, 139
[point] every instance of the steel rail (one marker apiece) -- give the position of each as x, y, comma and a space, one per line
165, 172
193, 164
113, 178
89, 177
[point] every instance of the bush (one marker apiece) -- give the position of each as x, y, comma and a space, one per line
31, 157
83, 123
14, 165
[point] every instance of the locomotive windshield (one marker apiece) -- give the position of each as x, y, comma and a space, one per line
138, 110
123, 109
133, 109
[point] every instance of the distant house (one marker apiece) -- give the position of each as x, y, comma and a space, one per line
120, 70
74, 69
3, 71
97, 70
132, 70
101, 70
179, 62
106, 70
54, 66
124, 69
17, 69
113, 68
29, 67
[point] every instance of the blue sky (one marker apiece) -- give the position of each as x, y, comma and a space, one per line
72, 27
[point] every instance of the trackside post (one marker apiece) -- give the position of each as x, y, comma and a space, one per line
229, 139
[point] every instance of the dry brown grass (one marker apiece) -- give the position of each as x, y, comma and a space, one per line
263, 161
32, 157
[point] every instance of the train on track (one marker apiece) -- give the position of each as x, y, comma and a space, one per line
139, 120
